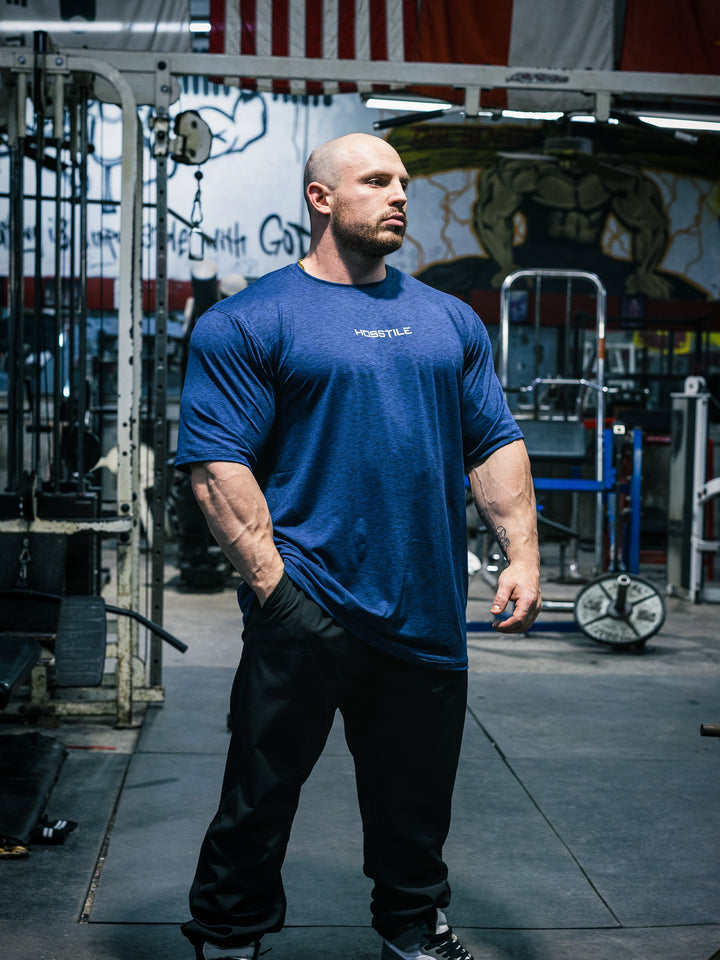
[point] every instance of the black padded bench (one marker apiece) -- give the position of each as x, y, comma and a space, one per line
563, 441
79, 631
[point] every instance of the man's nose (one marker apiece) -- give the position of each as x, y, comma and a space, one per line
398, 195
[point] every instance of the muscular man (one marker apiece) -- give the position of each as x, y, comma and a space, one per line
571, 203
330, 413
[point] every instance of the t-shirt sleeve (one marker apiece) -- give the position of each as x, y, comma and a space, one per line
487, 421
227, 406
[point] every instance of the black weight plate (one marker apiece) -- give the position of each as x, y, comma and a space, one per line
644, 611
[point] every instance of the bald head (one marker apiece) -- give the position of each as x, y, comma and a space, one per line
355, 193
327, 161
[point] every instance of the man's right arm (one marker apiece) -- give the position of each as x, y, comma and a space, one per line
238, 517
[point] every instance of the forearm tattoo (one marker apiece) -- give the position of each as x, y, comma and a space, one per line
502, 538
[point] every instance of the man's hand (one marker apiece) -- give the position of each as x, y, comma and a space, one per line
522, 587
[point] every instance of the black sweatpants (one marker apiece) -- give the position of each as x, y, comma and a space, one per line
403, 725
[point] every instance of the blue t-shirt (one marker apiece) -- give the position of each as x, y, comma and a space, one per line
359, 409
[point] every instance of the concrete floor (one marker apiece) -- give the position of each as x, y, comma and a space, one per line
586, 812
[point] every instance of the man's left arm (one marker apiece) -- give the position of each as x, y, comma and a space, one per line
503, 491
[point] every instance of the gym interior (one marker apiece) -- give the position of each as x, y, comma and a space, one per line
564, 170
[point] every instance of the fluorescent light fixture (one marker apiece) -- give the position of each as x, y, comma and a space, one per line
157, 27
532, 114
377, 102
589, 118
682, 123
91, 26
63, 26
200, 26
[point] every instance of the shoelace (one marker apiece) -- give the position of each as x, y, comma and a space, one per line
447, 946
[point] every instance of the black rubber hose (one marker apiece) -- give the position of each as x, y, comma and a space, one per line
122, 611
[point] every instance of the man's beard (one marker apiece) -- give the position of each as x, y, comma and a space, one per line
371, 240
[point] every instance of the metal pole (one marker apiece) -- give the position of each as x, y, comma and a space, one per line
129, 332
504, 344
82, 399
567, 372
136, 371
71, 348
699, 403
16, 306
635, 502
600, 380
536, 347
159, 419
58, 129
40, 45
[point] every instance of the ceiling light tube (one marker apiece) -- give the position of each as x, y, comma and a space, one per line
93, 26
378, 102
63, 26
532, 114
681, 123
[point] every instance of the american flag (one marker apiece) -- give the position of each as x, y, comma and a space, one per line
318, 29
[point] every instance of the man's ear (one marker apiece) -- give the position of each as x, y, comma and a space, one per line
319, 197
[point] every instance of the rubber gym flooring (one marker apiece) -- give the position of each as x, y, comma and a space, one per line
586, 821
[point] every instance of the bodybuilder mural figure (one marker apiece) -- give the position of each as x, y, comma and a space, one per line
569, 201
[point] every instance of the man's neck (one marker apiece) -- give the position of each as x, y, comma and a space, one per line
333, 267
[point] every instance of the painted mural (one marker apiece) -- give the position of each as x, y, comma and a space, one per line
628, 205
637, 207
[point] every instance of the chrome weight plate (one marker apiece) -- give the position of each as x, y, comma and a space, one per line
621, 610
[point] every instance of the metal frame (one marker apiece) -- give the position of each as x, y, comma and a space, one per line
690, 494
146, 70
471, 79
603, 469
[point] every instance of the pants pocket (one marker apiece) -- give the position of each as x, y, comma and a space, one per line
280, 602
284, 595
288, 613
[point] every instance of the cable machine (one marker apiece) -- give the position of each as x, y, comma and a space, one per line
51, 516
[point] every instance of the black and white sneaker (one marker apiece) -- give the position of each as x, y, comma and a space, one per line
209, 951
422, 945
52, 831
